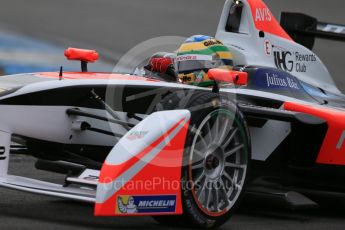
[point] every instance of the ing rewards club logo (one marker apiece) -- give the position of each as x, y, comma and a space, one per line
283, 60
290, 61
145, 204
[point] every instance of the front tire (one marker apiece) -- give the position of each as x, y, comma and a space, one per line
216, 160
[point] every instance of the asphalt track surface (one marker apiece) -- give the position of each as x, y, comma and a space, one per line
113, 27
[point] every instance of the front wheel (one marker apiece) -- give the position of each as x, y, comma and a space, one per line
216, 162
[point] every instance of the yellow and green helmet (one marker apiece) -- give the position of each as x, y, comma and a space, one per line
199, 54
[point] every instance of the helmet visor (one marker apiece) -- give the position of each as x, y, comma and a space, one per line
191, 66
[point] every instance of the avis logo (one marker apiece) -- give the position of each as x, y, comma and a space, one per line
283, 60
263, 14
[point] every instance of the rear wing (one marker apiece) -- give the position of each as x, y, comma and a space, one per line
304, 29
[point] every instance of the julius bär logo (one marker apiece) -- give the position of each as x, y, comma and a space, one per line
276, 81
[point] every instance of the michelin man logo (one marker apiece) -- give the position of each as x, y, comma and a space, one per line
132, 205
129, 208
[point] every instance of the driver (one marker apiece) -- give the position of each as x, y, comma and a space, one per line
199, 54
191, 62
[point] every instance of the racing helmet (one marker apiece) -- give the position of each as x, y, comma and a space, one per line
197, 55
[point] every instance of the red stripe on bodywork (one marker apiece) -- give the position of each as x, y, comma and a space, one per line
111, 172
265, 21
92, 75
329, 153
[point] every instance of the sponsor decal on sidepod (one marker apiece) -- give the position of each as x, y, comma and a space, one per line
276, 80
292, 61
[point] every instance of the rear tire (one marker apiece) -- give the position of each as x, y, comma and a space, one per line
216, 159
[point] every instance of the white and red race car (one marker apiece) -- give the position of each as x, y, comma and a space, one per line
138, 146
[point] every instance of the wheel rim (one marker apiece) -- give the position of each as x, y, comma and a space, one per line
218, 162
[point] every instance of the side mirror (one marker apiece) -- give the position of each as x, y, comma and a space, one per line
228, 76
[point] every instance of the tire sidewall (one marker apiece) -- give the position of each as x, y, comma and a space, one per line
190, 207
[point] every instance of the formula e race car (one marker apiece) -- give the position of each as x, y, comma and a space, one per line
135, 145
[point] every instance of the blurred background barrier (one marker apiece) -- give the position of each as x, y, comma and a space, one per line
113, 27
